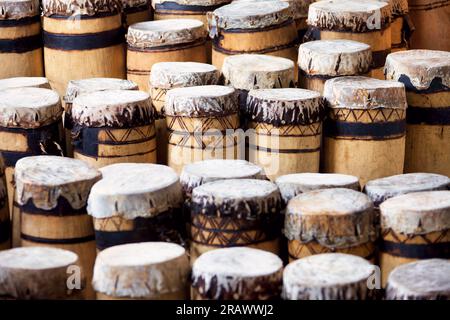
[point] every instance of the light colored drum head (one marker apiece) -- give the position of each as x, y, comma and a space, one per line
80, 7
183, 74
18, 9
36, 258
24, 82
83, 86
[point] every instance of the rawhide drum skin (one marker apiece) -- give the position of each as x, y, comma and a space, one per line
20, 39
144, 271
82, 39
237, 274
160, 41
51, 196
136, 11
165, 76
201, 123
38, 273
364, 133
414, 226
136, 202
330, 220
366, 21
426, 76
422, 280
24, 82
286, 129
321, 60
235, 212
113, 126
263, 27
402, 27
5, 221
328, 276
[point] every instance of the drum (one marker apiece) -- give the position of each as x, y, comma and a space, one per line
414, 226
24, 82
38, 273
51, 195
5, 223
401, 25
20, 39
365, 21
426, 77
157, 271
113, 126
286, 129
160, 41
328, 276
330, 220
136, 202
364, 134
300, 14
165, 76
237, 274
421, 280
201, 124
82, 39
235, 213
135, 11
321, 60
264, 27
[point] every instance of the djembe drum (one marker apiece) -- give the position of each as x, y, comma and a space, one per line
24, 82
135, 11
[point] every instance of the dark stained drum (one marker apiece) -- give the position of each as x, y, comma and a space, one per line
5, 221
136, 11
24, 82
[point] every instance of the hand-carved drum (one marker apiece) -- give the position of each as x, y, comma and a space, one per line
24, 82
136, 11
145, 271
426, 76
20, 39
237, 274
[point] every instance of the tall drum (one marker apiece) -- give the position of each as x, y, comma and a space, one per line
365, 21
201, 122
364, 134
287, 128
264, 27
136, 11
160, 41
426, 76
24, 82
20, 39
51, 195
113, 126
82, 39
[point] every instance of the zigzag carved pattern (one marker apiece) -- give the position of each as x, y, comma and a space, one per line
313, 129
437, 237
307, 249
367, 116
120, 136
159, 94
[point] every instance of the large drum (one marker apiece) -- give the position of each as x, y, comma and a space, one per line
237, 274
113, 126
321, 60
51, 195
136, 202
426, 76
364, 134
24, 82
147, 271
82, 39
20, 39
331, 220
235, 212
287, 128
414, 226
328, 276
264, 27
165, 76
201, 123
159, 41
363, 21
135, 11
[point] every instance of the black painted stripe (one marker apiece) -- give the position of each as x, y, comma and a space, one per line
62, 209
371, 131
131, 10
5, 230
174, 47
436, 85
184, 7
21, 45
21, 22
439, 250
57, 241
430, 116
272, 150
88, 41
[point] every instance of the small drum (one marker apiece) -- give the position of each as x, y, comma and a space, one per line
331, 220
136, 203
24, 82
321, 60
364, 134
113, 126
328, 276
38, 273
426, 76
136, 11
421, 280
414, 226
237, 274
147, 271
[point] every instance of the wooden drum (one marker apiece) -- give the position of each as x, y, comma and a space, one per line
402, 26
192, 9
5, 222
237, 274
330, 220
24, 82
145, 271
300, 14
364, 134
135, 11
82, 39
426, 76
20, 39
414, 226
